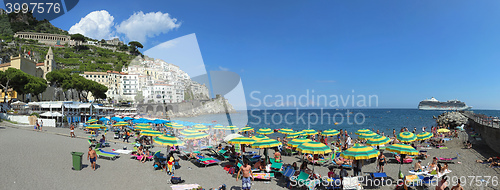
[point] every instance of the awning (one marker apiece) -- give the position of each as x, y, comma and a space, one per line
84, 105
51, 105
72, 106
51, 114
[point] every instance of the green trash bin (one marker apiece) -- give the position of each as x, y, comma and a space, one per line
77, 160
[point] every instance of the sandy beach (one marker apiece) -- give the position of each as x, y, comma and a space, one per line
42, 160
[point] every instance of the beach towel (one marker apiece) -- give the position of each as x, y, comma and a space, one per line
263, 176
443, 147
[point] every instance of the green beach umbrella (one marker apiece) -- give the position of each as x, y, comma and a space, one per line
142, 125
366, 136
151, 133
406, 137
197, 135
245, 129
231, 128
402, 149
358, 152
330, 132
363, 131
142, 128
259, 137
168, 141
265, 131
188, 131
121, 123
378, 140
95, 126
92, 121
242, 140
286, 131
424, 136
298, 141
309, 132
314, 148
177, 126
266, 143
218, 127
200, 128
294, 134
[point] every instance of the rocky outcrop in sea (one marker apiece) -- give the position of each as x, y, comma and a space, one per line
452, 119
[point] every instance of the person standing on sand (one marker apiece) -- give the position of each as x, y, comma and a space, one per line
72, 131
458, 186
92, 156
443, 183
246, 181
41, 125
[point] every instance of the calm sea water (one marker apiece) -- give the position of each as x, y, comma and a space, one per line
384, 120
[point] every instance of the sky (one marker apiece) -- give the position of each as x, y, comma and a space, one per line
400, 51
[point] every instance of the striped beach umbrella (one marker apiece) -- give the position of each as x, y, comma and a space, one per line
402, 149
309, 132
218, 127
188, 131
92, 121
177, 126
259, 137
200, 128
116, 119
366, 136
168, 141
406, 137
443, 130
198, 135
266, 143
245, 129
314, 148
298, 141
151, 133
242, 140
362, 131
95, 126
265, 131
140, 128
424, 136
286, 131
294, 135
142, 125
358, 152
330, 132
378, 140
121, 123
231, 128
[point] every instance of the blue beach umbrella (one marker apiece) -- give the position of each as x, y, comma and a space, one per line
127, 118
116, 119
103, 119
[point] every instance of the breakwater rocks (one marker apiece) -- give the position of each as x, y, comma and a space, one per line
190, 109
451, 118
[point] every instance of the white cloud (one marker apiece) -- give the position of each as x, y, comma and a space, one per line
223, 68
141, 26
97, 25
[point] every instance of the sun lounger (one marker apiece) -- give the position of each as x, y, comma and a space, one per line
222, 153
206, 161
106, 152
104, 155
289, 152
302, 178
351, 183
263, 176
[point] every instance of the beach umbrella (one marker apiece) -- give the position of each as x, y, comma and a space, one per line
331, 132
141, 128
312, 147
218, 127
266, 143
424, 136
200, 128
127, 118
362, 131
122, 123
286, 131
245, 129
103, 119
151, 133
265, 131
197, 135
242, 140
177, 126
231, 136
406, 137
116, 119
168, 141
366, 136
309, 132
259, 137
92, 121
231, 128
378, 140
298, 141
358, 152
294, 134
95, 126
443, 130
188, 131
402, 149
142, 125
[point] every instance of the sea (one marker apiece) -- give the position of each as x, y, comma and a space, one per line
384, 120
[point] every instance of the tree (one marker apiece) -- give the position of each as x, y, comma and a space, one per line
35, 86
133, 47
57, 78
13, 78
98, 90
79, 38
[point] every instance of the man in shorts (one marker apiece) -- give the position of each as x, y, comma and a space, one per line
92, 156
246, 180
72, 131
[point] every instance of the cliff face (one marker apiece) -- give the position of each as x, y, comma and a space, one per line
213, 106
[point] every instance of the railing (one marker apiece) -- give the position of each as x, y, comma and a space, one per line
482, 119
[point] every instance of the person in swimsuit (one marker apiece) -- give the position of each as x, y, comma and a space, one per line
246, 180
381, 163
170, 163
72, 131
92, 157
418, 166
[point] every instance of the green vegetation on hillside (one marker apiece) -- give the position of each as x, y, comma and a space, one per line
25, 22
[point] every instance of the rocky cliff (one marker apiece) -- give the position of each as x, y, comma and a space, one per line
214, 106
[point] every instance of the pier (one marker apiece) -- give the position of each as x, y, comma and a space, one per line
487, 127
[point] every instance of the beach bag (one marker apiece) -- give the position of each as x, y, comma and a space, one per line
176, 180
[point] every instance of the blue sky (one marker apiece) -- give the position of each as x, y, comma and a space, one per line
401, 51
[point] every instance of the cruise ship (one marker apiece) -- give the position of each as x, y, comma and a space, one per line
433, 104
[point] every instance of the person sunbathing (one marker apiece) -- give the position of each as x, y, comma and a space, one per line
445, 167
418, 166
487, 161
423, 154
432, 167
494, 164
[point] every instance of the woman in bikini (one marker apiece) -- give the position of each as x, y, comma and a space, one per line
381, 163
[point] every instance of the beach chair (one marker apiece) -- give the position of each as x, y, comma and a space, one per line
185, 155
206, 161
222, 154
91, 143
104, 155
106, 152
302, 178
287, 174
